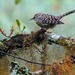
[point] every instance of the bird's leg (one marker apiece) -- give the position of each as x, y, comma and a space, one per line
49, 31
44, 29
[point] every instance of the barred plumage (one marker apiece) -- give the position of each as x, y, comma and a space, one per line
49, 21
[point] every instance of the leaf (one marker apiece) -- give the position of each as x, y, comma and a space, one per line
18, 23
23, 28
17, 1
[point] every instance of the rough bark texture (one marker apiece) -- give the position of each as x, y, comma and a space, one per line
4, 66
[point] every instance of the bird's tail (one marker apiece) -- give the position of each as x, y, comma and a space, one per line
65, 14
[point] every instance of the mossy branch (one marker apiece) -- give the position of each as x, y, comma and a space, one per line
26, 40
66, 42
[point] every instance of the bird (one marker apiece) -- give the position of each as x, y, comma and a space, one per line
49, 21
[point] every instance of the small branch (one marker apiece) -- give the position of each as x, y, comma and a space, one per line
3, 33
25, 59
54, 69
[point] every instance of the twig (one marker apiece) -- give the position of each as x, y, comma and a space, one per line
24, 59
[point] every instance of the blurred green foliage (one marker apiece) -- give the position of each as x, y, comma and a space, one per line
25, 9
19, 26
18, 23
17, 1
23, 28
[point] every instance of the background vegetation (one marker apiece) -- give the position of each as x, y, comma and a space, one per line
25, 9
18, 12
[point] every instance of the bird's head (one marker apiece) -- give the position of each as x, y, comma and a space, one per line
37, 17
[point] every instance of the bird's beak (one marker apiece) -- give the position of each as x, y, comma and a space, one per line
31, 19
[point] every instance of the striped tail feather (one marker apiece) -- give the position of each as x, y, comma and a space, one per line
65, 14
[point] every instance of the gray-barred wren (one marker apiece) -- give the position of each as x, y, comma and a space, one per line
49, 21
